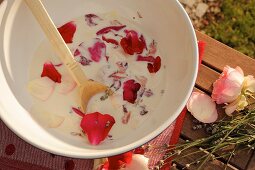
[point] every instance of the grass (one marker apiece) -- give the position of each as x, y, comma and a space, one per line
237, 26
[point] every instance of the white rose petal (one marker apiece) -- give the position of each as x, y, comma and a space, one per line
139, 162
202, 107
41, 88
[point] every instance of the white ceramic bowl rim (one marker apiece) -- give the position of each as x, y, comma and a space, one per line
8, 95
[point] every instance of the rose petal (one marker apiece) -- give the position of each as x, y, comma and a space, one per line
132, 43
239, 104
110, 28
153, 48
50, 71
139, 162
150, 59
49, 120
229, 109
67, 31
118, 161
249, 84
202, 107
228, 87
67, 84
110, 40
41, 88
97, 51
155, 67
90, 19
201, 49
130, 90
97, 126
78, 112
126, 117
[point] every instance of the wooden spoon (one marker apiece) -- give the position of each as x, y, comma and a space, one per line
87, 88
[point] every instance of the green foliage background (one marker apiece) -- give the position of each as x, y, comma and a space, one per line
237, 27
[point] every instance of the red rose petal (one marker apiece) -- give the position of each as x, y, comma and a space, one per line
155, 67
201, 49
109, 40
118, 161
78, 112
108, 29
97, 51
77, 52
157, 64
97, 126
130, 90
150, 68
143, 41
147, 58
132, 43
90, 19
50, 71
67, 31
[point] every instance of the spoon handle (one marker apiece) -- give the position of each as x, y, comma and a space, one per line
56, 40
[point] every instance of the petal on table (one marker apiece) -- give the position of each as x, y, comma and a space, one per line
202, 107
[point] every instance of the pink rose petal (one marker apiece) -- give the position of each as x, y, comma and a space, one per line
50, 71
202, 107
229, 85
97, 126
153, 48
97, 51
67, 31
67, 84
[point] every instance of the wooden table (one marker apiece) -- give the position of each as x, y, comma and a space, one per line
217, 55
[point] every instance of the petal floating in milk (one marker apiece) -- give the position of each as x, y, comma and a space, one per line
50, 71
41, 88
97, 126
67, 84
67, 31
110, 28
97, 51
47, 119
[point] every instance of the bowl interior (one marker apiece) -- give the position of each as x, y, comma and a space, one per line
163, 20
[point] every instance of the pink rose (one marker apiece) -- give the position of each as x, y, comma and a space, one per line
228, 87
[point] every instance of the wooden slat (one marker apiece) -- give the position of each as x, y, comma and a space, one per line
217, 55
251, 165
206, 77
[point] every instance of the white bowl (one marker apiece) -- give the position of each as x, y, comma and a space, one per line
20, 35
